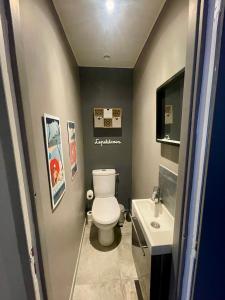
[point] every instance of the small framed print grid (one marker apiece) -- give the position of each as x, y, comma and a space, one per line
107, 117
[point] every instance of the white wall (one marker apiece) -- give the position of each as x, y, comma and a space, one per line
50, 84
162, 57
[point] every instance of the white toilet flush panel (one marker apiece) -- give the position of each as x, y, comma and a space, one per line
104, 182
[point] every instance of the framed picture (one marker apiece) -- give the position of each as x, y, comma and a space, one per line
55, 162
72, 147
168, 114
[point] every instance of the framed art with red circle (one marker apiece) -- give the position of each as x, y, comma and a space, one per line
56, 171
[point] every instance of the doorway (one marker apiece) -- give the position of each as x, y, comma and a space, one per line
40, 96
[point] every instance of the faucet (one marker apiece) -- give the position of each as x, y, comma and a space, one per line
157, 199
156, 195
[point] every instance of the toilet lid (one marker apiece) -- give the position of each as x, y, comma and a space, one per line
106, 210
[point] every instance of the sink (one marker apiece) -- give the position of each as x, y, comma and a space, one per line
157, 224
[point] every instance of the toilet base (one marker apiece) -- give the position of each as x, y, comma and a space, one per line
106, 237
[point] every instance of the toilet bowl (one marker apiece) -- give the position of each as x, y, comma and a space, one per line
105, 214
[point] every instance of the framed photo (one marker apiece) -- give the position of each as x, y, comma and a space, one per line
168, 114
55, 162
72, 147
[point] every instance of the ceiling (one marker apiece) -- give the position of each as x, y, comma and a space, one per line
116, 29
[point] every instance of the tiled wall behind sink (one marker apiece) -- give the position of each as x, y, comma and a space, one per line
168, 187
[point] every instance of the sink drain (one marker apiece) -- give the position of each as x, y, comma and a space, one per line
155, 225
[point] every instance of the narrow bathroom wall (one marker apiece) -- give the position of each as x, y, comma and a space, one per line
50, 84
105, 87
162, 57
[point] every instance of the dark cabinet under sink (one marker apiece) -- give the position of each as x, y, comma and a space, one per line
160, 276
153, 270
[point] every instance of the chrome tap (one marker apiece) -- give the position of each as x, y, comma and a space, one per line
156, 195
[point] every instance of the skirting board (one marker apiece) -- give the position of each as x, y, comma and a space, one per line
77, 263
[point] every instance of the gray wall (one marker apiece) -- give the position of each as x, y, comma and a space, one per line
50, 84
104, 87
162, 57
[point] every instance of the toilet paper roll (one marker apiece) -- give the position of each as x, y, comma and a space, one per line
90, 195
89, 216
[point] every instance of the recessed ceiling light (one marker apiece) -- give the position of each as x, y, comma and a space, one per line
110, 5
106, 57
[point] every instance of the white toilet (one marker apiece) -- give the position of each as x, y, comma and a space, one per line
105, 210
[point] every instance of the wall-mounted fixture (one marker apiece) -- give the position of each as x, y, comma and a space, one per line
107, 117
169, 98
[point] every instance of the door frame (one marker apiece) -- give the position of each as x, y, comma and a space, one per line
208, 278
195, 138
192, 88
192, 83
7, 72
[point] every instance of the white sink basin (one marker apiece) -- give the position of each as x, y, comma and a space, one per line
160, 239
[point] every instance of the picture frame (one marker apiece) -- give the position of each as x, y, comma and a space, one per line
71, 129
55, 161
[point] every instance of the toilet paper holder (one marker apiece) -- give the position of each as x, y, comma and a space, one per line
90, 195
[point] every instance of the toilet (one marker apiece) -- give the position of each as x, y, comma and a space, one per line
105, 209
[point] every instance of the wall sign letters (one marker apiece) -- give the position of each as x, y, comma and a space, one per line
106, 142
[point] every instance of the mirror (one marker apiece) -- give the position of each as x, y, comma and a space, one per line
169, 97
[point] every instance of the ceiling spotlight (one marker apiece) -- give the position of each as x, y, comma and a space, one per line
110, 5
106, 57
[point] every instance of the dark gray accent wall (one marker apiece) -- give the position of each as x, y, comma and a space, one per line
105, 87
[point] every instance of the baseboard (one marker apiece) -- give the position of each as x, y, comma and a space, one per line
77, 263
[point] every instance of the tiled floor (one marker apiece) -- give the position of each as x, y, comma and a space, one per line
106, 273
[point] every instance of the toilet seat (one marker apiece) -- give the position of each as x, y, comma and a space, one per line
106, 210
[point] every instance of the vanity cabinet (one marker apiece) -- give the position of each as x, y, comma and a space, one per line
153, 270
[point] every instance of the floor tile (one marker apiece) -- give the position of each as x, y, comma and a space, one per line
129, 290
111, 290
126, 229
106, 273
126, 262
87, 292
88, 265
108, 266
